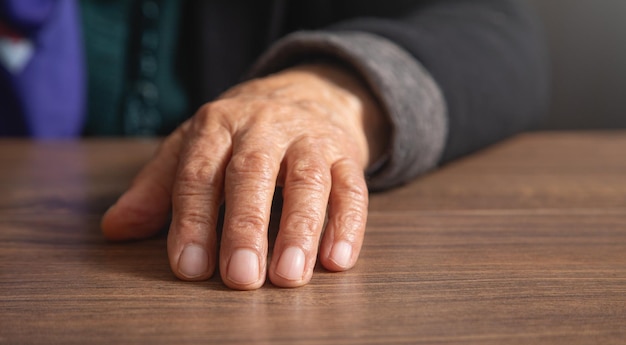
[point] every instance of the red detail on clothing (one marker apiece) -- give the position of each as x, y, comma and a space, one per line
7, 32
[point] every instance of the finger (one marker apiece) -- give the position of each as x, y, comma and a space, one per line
250, 181
144, 208
347, 216
306, 190
196, 197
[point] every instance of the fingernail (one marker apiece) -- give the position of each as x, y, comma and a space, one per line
193, 261
341, 254
243, 267
291, 264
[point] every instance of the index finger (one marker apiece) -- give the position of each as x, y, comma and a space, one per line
144, 208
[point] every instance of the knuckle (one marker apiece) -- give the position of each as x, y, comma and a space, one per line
197, 175
303, 224
170, 145
212, 109
269, 107
355, 191
350, 185
358, 193
201, 118
256, 163
312, 143
312, 172
311, 107
265, 107
349, 224
197, 220
208, 115
318, 144
248, 223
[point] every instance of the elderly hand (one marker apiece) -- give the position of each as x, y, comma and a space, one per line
311, 129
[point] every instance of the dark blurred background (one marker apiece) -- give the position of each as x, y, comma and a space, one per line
587, 41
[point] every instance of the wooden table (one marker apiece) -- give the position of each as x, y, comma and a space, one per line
522, 243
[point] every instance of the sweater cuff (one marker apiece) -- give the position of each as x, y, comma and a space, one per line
408, 95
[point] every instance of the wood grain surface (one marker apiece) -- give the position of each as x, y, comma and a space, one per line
522, 243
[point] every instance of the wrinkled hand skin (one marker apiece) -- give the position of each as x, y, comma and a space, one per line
311, 129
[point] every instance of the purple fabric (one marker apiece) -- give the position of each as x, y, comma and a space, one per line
46, 99
26, 15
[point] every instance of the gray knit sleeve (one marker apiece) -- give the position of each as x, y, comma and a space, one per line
410, 97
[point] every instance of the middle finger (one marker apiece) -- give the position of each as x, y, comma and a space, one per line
250, 181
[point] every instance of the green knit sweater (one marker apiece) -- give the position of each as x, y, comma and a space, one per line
133, 56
